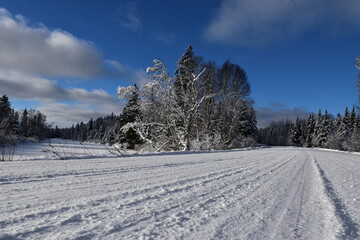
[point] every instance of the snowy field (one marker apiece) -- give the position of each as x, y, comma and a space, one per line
270, 193
62, 149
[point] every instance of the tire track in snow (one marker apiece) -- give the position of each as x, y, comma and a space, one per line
298, 189
109, 199
247, 202
239, 195
173, 210
350, 227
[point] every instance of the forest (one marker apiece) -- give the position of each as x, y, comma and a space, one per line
202, 106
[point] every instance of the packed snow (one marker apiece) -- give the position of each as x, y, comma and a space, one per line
268, 193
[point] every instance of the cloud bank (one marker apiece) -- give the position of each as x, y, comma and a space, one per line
38, 50
278, 112
73, 114
34, 58
259, 22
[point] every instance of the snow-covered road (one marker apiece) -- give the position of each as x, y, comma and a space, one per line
271, 193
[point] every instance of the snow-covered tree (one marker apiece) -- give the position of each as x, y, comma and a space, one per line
24, 123
344, 129
296, 137
157, 127
5, 108
352, 119
197, 108
324, 131
131, 114
310, 129
184, 77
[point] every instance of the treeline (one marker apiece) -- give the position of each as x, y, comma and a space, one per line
103, 130
323, 130
19, 126
22, 124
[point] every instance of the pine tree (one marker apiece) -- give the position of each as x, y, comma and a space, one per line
324, 130
296, 137
310, 130
317, 130
24, 124
184, 76
344, 130
352, 119
5, 108
131, 114
337, 123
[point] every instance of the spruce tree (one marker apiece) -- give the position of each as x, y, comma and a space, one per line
24, 124
344, 130
5, 108
310, 130
324, 130
317, 130
184, 75
131, 114
186, 93
352, 119
296, 137
337, 123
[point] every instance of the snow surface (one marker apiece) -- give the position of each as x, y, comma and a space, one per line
269, 193
60, 148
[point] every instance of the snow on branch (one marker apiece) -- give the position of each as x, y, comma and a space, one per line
125, 92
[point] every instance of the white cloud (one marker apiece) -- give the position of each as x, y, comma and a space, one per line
38, 50
34, 58
258, 22
127, 15
85, 104
64, 115
23, 86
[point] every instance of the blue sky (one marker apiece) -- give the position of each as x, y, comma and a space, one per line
66, 58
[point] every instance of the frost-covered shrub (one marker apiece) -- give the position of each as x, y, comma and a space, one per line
334, 142
7, 147
353, 144
242, 142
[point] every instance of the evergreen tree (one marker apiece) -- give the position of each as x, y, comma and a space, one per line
344, 129
131, 114
310, 130
337, 123
324, 130
317, 130
24, 124
184, 76
5, 108
352, 120
296, 137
